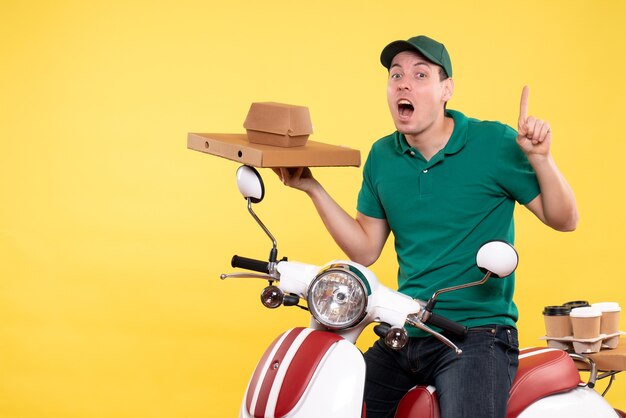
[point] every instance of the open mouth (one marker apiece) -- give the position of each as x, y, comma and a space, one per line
405, 108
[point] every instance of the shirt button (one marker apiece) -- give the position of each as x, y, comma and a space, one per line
425, 171
413, 153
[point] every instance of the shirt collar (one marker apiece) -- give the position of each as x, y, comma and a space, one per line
455, 143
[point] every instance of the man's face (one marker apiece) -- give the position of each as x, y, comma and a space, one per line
415, 93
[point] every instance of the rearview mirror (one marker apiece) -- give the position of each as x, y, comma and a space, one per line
497, 257
494, 259
250, 183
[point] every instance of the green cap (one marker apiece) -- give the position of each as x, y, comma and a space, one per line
429, 48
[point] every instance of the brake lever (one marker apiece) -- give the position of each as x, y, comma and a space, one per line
248, 276
413, 320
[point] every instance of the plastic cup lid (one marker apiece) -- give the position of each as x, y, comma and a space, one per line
607, 306
576, 304
586, 312
556, 311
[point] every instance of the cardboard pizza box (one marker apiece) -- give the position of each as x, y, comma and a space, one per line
236, 147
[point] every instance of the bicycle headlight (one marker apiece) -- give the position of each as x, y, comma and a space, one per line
337, 297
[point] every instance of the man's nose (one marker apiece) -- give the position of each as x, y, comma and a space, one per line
403, 84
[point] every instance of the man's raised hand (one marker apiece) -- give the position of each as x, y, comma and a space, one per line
533, 135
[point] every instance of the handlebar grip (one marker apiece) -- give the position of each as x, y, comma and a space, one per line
447, 325
250, 264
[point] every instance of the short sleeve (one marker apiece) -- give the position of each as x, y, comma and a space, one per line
514, 172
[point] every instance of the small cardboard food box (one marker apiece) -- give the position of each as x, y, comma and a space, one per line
278, 124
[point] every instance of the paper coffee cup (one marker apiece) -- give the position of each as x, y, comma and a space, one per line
610, 322
610, 316
557, 320
585, 322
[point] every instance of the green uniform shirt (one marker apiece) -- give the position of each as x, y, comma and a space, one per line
441, 211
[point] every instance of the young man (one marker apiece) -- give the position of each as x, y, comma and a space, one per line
444, 184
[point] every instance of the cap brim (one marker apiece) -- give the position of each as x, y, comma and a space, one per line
394, 48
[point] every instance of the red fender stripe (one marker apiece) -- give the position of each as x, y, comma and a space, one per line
270, 373
254, 382
302, 368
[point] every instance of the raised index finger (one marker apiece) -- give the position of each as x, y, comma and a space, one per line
523, 105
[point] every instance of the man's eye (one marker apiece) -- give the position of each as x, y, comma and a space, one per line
420, 75
396, 76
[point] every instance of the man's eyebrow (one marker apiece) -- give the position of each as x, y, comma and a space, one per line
425, 63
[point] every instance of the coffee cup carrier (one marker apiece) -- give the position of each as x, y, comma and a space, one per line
584, 345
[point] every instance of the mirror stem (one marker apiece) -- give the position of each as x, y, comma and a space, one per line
431, 302
274, 252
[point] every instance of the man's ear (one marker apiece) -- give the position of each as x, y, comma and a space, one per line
448, 89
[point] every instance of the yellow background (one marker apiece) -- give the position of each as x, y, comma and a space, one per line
113, 234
